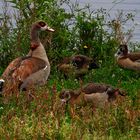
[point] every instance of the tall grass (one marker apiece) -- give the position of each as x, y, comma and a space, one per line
45, 118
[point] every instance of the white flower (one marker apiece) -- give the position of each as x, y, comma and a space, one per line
75, 48
1, 108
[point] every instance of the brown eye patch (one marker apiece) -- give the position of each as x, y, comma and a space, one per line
42, 24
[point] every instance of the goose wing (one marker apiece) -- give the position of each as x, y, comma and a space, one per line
129, 64
94, 88
21, 68
38, 78
12, 66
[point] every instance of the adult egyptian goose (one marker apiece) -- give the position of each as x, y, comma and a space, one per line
128, 60
31, 69
96, 94
76, 66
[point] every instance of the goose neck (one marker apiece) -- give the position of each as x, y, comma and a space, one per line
34, 35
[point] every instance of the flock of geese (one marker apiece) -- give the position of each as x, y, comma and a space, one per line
34, 69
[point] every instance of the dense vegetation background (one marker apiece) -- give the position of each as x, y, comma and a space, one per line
42, 118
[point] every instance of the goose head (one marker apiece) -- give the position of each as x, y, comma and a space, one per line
36, 27
93, 65
112, 93
42, 26
66, 95
81, 61
122, 51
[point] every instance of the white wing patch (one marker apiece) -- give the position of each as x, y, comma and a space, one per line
1, 80
45, 67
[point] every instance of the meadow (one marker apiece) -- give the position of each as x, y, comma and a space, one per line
42, 117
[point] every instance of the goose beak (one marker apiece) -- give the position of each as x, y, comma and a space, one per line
63, 101
49, 29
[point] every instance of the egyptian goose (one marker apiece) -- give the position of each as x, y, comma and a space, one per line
76, 66
96, 94
33, 68
128, 60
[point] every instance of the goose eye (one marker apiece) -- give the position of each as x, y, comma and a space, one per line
121, 49
67, 95
42, 24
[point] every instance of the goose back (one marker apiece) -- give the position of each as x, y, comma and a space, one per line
129, 64
91, 88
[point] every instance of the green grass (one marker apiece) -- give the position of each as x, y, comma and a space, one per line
44, 118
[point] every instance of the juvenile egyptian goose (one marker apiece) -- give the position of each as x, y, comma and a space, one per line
96, 94
31, 69
76, 66
128, 60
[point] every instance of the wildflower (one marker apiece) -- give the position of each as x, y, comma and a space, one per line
113, 75
75, 48
85, 47
1, 108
